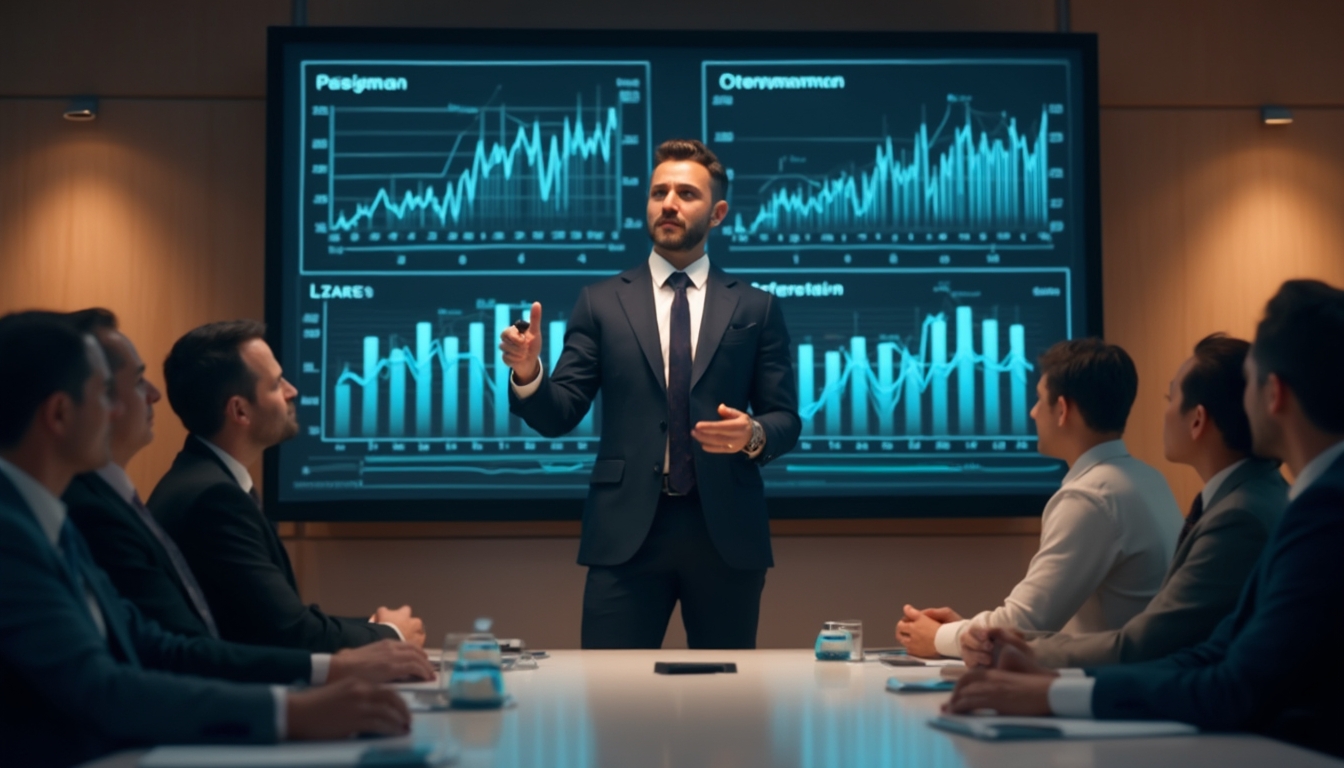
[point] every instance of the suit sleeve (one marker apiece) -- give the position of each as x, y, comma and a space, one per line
1277, 652
49, 641
774, 389
1195, 598
134, 571
227, 547
566, 394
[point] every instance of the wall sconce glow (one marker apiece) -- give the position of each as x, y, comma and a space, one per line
1276, 115
82, 110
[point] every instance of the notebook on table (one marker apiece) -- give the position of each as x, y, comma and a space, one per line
996, 728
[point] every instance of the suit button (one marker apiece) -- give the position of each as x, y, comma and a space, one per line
657, 469
662, 425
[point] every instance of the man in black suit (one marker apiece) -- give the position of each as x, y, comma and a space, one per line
680, 351
82, 672
227, 387
1271, 665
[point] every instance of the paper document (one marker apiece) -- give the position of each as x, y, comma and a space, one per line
1002, 728
398, 752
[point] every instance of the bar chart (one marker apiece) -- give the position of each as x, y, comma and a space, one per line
902, 389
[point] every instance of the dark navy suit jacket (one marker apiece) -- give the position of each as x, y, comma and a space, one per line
742, 359
68, 695
1273, 665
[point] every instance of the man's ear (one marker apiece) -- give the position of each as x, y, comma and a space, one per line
719, 213
56, 414
1276, 394
1200, 424
235, 410
1064, 410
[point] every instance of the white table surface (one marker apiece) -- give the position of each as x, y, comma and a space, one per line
783, 709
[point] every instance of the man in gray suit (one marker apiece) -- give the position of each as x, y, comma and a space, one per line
1205, 426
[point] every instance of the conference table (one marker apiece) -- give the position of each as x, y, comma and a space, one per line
781, 709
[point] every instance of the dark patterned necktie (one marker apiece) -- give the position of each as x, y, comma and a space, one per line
681, 472
1196, 511
179, 562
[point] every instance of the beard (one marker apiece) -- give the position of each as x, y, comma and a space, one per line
679, 240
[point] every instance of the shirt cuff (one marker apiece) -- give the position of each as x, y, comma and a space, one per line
321, 669
948, 640
281, 697
394, 627
524, 391
1071, 696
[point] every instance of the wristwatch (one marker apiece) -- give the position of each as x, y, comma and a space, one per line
757, 438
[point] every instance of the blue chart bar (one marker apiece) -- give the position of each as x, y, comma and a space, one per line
939, 363
407, 367
1017, 374
369, 414
915, 377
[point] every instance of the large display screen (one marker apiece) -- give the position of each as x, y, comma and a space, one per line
924, 208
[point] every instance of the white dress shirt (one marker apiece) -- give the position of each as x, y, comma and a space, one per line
663, 295
1070, 694
1107, 537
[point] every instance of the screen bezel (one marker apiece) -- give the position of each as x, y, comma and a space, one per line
781, 508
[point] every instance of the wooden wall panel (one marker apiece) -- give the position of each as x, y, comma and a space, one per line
136, 47
154, 211
1003, 15
1205, 213
1217, 52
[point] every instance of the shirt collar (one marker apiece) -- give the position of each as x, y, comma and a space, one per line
1314, 469
1111, 449
661, 269
49, 510
234, 466
116, 477
1216, 482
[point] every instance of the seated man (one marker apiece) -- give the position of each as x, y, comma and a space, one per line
82, 673
226, 386
1205, 426
1270, 666
1108, 533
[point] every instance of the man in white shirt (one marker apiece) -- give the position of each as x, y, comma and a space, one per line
1108, 533
1271, 666
82, 673
1204, 427
680, 351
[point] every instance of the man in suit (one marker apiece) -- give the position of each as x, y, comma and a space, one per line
1205, 427
1107, 534
680, 351
1271, 665
227, 387
82, 672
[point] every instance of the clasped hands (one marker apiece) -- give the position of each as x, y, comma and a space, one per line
521, 351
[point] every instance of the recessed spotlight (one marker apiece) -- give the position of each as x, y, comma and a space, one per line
1276, 115
82, 109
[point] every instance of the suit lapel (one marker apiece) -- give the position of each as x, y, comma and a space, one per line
636, 297
720, 301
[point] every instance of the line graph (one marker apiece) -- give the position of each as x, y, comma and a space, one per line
942, 154
481, 158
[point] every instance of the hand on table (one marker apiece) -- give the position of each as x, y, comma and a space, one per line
381, 662
412, 629
729, 435
1018, 686
918, 629
980, 646
344, 710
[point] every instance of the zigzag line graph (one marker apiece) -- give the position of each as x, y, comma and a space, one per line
977, 182
535, 180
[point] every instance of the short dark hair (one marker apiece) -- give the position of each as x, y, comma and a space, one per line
1097, 378
1216, 381
43, 354
695, 151
93, 320
205, 369
1301, 340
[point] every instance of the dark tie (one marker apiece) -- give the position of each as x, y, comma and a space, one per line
1196, 511
681, 469
79, 564
179, 564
